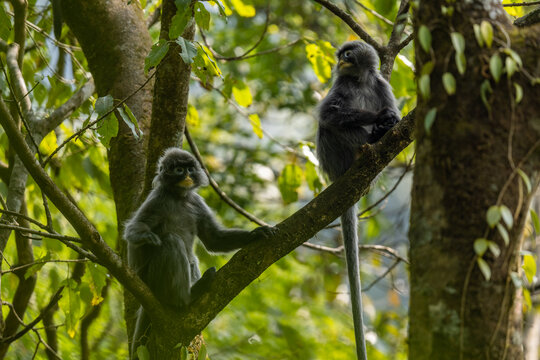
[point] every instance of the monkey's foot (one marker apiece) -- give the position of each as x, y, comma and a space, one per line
203, 283
263, 232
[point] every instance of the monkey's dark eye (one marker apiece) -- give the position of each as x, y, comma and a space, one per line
190, 170
347, 54
179, 170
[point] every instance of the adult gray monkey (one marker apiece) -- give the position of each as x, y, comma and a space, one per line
161, 233
359, 108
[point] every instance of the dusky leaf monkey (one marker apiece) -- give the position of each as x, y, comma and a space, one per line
359, 109
161, 233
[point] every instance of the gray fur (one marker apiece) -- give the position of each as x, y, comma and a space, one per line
161, 234
359, 109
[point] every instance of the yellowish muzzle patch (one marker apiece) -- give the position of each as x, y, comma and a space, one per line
187, 182
343, 64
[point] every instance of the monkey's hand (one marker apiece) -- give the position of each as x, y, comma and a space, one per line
263, 232
387, 118
202, 284
153, 239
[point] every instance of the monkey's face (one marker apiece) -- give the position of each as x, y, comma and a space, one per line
179, 169
356, 57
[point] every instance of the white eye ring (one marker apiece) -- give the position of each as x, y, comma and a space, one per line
347, 53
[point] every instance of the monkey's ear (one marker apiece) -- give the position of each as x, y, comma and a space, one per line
203, 179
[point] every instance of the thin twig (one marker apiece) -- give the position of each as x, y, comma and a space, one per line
245, 114
531, 3
374, 13
247, 52
348, 19
215, 185
382, 276
27, 218
17, 268
381, 249
52, 302
40, 233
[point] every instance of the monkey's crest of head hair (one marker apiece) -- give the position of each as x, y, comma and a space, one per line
355, 57
169, 163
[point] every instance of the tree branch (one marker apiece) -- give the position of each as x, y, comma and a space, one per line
248, 263
349, 20
89, 235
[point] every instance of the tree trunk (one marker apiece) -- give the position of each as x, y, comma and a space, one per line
465, 164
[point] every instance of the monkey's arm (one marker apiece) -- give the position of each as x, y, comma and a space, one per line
217, 238
336, 114
138, 229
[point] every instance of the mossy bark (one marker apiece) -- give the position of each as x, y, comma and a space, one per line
467, 163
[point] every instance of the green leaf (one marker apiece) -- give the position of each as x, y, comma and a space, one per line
179, 20
494, 248
461, 62
48, 144
289, 181
484, 268
527, 298
104, 104
496, 67
242, 94
511, 66
458, 41
478, 35
202, 352
189, 50
449, 83
205, 66
107, 128
157, 53
35, 268
485, 89
192, 117
320, 61
424, 86
221, 8
5, 24
493, 215
507, 216
70, 303
143, 353
129, 119
98, 277
313, 179
202, 16
243, 9
256, 123
535, 221
516, 279
519, 93
514, 55
184, 353
504, 234
424, 36
487, 32
480, 246
427, 68
529, 266
430, 119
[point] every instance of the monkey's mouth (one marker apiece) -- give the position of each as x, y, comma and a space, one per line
187, 182
344, 64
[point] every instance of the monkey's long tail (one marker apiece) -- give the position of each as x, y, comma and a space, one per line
349, 224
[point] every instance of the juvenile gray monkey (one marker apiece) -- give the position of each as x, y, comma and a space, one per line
161, 233
359, 108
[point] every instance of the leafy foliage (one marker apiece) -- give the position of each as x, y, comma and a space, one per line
299, 307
